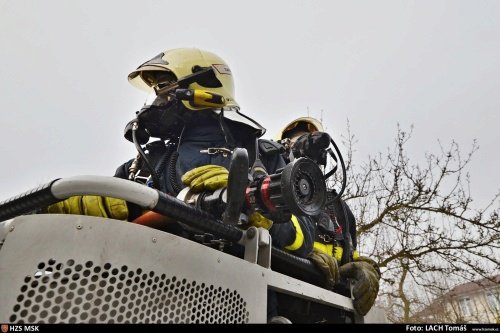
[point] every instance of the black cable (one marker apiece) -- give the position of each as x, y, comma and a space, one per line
344, 174
154, 176
262, 129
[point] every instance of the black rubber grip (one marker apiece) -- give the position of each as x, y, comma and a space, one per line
236, 186
170, 206
28, 201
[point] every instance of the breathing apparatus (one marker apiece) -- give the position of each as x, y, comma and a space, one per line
305, 137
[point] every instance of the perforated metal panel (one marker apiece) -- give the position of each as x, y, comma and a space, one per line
72, 269
84, 292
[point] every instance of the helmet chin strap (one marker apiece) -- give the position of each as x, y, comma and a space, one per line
228, 136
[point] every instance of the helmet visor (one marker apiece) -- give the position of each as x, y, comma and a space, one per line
206, 77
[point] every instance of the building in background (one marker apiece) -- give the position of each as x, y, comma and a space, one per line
471, 302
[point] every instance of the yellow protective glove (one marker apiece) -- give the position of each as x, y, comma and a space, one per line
366, 284
258, 220
357, 257
207, 177
328, 265
91, 205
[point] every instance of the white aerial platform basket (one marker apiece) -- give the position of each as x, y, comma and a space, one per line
80, 269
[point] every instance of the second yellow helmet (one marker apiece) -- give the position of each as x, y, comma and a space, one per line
306, 124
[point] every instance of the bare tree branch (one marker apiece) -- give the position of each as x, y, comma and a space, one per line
417, 219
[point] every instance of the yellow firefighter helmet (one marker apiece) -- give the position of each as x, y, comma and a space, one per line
176, 64
303, 124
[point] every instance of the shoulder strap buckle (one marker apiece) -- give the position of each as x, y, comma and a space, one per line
213, 151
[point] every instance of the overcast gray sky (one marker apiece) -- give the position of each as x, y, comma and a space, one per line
65, 99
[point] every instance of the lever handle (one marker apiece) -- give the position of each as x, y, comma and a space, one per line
236, 186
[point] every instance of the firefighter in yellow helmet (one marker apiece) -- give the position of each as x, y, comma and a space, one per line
305, 137
203, 121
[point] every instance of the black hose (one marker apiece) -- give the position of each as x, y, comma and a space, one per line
154, 176
28, 201
173, 185
344, 174
170, 206
297, 267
